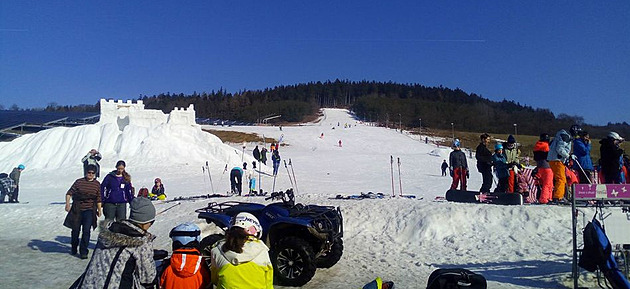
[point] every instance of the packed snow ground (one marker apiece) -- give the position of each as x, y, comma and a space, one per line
398, 239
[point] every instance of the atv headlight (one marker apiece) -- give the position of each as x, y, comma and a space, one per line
319, 225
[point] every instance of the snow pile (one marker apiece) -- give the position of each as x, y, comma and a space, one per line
142, 137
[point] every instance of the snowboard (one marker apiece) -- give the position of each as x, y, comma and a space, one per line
491, 198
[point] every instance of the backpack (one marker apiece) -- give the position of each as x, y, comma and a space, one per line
456, 278
596, 247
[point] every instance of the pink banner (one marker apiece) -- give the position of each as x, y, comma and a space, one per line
602, 191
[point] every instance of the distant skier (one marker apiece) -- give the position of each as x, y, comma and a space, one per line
444, 167
321, 136
15, 176
275, 158
339, 143
426, 140
458, 166
263, 155
236, 180
92, 158
256, 153
484, 163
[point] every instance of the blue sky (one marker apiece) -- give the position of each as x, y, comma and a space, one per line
567, 56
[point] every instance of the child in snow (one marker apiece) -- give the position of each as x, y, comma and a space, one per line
241, 260
251, 177
458, 166
512, 156
157, 192
187, 268
501, 168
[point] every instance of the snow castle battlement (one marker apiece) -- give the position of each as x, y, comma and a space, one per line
130, 113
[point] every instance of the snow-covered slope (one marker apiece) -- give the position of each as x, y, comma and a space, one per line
398, 239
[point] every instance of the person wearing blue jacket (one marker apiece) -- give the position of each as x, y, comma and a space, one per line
559, 152
116, 192
499, 161
236, 180
582, 152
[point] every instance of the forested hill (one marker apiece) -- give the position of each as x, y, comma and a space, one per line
385, 102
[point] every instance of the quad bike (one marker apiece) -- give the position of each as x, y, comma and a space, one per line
301, 238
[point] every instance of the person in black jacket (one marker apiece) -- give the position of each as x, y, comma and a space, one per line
484, 162
444, 167
458, 166
611, 158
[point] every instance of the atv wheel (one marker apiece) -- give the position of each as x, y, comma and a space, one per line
293, 262
207, 243
331, 258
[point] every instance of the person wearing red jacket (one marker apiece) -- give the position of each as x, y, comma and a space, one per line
187, 268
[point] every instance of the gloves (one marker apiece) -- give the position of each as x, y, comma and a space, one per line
467, 174
573, 157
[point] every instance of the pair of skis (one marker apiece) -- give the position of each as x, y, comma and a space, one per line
399, 176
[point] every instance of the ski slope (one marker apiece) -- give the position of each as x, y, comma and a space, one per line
398, 239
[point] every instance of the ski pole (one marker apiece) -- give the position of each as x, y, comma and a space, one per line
288, 173
399, 179
210, 177
293, 172
203, 174
173, 206
583, 171
391, 163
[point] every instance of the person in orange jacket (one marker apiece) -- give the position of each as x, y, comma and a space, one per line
544, 174
187, 268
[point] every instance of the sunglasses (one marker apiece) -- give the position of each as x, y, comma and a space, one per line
91, 173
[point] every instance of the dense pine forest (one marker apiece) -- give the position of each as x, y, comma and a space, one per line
388, 103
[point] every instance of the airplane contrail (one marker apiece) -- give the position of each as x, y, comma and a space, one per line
12, 30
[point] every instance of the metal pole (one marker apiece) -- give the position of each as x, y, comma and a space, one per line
515, 130
400, 123
453, 130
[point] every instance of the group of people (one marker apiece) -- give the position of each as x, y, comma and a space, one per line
124, 256
261, 156
10, 184
567, 153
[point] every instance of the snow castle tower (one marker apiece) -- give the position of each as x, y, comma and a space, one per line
129, 113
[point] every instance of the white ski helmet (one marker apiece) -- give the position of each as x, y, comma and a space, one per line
615, 136
185, 233
249, 223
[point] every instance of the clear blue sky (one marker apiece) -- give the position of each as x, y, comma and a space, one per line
569, 56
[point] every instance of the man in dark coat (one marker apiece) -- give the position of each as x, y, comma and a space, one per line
444, 167
484, 162
256, 153
611, 160
84, 211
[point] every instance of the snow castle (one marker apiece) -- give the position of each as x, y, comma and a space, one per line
129, 113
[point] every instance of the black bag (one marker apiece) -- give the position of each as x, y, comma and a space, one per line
456, 278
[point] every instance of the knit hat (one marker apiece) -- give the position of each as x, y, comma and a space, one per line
142, 211
91, 167
498, 146
511, 139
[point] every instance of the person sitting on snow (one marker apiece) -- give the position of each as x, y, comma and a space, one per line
157, 192
241, 260
187, 268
